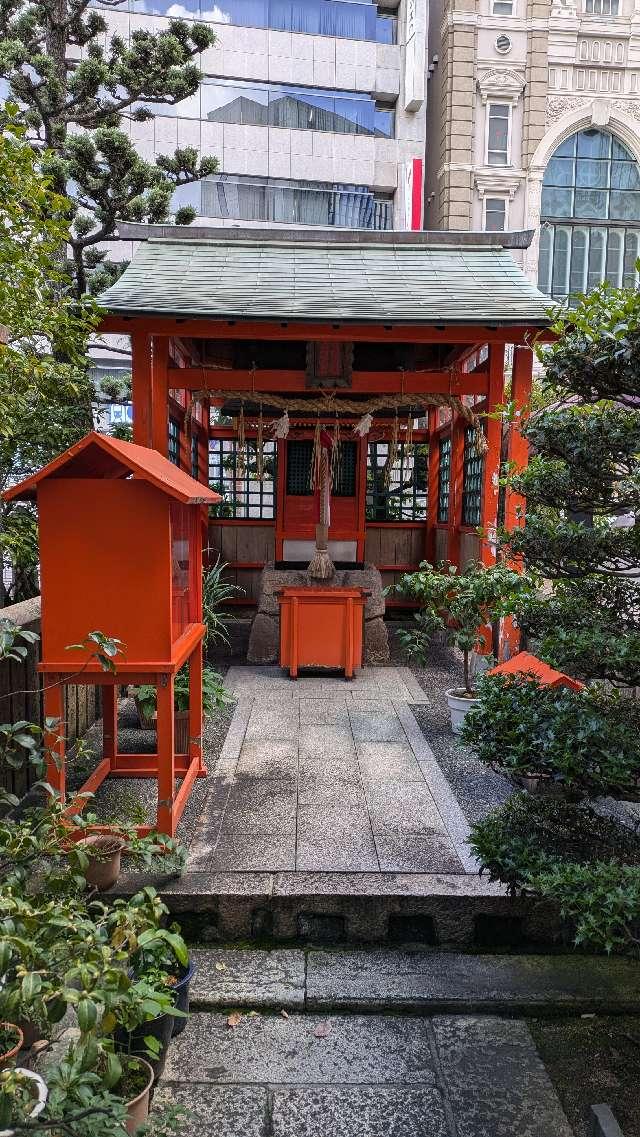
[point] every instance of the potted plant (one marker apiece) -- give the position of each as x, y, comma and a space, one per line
458, 603
162, 956
11, 1042
134, 1087
213, 695
103, 855
23, 1096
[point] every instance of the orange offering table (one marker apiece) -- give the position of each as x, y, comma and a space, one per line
321, 627
120, 532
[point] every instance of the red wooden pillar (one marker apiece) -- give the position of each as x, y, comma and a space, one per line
141, 388
432, 486
160, 394
491, 473
455, 488
54, 736
195, 710
518, 455
363, 447
166, 755
110, 722
518, 451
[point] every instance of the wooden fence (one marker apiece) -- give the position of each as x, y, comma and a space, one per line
20, 697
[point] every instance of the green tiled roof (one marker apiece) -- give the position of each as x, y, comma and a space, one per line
397, 280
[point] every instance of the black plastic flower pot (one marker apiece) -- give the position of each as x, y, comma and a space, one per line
181, 990
132, 1042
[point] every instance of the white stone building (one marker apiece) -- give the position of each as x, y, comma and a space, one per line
315, 110
534, 122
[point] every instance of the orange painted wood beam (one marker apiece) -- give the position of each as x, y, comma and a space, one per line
518, 450
472, 334
141, 388
363, 382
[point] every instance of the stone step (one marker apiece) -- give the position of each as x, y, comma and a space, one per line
457, 910
427, 982
374, 1075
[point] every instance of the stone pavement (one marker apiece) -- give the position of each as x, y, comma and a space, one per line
309, 1075
324, 775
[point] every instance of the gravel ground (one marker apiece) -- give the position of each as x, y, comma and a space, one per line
135, 799
477, 788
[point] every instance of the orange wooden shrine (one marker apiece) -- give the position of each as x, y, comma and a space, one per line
321, 627
120, 532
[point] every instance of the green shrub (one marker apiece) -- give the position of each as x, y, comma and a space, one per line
584, 741
569, 854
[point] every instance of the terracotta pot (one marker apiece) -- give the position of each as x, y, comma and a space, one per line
104, 851
459, 704
6, 1058
138, 1107
181, 728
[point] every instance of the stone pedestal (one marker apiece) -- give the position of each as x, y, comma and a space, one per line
264, 640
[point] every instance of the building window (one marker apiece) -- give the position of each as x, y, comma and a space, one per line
173, 446
299, 458
315, 17
195, 457
235, 477
590, 216
502, 8
294, 108
404, 496
288, 202
444, 479
498, 130
495, 214
471, 479
602, 7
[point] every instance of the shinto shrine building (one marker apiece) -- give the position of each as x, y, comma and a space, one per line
248, 346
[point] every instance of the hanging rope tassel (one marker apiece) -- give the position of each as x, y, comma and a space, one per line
241, 464
408, 438
321, 566
336, 455
280, 427
392, 454
316, 455
260, 448
363, 426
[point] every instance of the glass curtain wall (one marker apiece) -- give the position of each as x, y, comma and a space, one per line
296, 108
343, 18
590, 216
287, 202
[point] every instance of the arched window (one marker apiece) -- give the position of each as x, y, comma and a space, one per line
590, 215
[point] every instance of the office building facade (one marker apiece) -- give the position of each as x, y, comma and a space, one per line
534, 122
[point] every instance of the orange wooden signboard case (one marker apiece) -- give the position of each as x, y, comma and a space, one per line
121, 552
321, 627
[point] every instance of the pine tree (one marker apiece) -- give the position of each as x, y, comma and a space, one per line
45, 391
583, 494
76, 85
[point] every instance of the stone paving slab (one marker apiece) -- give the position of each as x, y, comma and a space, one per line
352, 750
495, 1081
368, 1111
216, 1111
371, 1075
236, 978
302, 1050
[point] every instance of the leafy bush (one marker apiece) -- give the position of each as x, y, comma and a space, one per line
214, 693
569, 854
459, 603
584, 741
